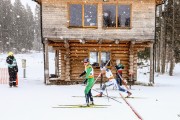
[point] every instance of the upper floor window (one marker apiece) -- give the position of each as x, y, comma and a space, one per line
116, 16
82, 15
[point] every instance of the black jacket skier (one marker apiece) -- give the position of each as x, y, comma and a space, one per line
119, 67
12, 69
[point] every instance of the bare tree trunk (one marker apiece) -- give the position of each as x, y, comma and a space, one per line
159, 41
163, 45
172, 61
158, 55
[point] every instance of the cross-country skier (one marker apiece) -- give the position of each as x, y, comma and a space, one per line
12, 69
111, 81
89, 81
119, 67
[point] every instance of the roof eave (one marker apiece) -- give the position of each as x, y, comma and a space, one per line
38, 1
158, 2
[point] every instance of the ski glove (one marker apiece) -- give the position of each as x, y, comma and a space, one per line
85, 81
83, 73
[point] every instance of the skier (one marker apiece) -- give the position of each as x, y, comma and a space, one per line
12, 69
111, 81
89, 80
119, 67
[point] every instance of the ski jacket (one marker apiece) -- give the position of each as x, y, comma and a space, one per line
119, 68
109, 74
89, 71
12, 64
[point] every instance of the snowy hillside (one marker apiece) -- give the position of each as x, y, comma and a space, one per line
33, 100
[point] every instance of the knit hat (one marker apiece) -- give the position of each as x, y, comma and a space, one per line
86, 60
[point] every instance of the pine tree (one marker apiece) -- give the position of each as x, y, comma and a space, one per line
19, 25
29, 28
37, 39
6, 25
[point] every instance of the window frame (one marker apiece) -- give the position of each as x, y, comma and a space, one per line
117, 5
99, 56
83, 14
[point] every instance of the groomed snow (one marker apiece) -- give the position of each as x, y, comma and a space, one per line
33, 100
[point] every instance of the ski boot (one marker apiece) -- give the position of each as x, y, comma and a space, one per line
91, 103
129, 94
99, 95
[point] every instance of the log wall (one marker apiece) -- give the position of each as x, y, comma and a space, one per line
70, 69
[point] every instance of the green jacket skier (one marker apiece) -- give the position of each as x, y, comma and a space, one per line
89, 79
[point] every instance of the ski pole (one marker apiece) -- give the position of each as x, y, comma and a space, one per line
121, 78
123, 81
131, 107
100, 73
107, 96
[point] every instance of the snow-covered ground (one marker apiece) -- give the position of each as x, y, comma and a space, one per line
33, 100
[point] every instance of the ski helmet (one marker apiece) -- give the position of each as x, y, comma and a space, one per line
86, 60
10, 54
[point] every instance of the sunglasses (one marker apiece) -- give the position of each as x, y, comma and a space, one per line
85, 62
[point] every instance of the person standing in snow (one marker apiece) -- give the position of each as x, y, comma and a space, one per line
12, 69
89, 80
111, 81
119, 67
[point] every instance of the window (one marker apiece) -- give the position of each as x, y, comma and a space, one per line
90, 15
75, 15
105, 57
94, 58
123, 16
109, 16
99, 58
116, 16
82, 15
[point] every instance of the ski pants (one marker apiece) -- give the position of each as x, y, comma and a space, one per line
114, 83
12, 76
90, 83
118, 78
89, 96
87, 91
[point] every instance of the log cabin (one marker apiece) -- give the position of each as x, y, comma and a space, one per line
101, 30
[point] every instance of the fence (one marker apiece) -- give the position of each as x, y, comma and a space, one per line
4, 76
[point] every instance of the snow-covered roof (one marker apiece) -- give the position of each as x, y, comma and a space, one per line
157, 1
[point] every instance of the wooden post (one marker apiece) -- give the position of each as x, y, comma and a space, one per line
131, 57
46, 61
67, 61
151, 78
57, 63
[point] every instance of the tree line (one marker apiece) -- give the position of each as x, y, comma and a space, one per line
19, 27
167, 37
